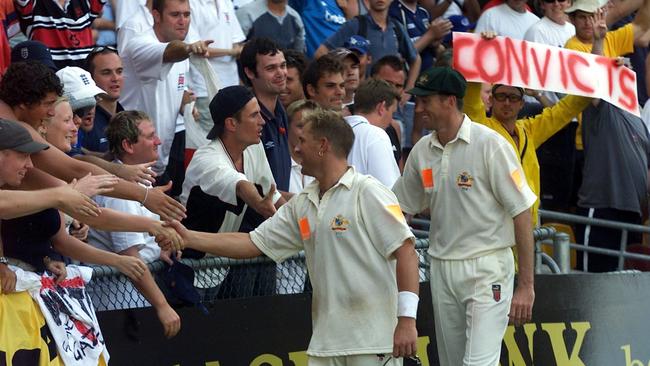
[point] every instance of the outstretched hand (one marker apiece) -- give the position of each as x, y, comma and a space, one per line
138, 173
75, 203
265, 206
91, 185
163, 205
167, 237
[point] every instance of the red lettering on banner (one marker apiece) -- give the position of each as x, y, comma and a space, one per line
609, 65
481, 48
522, 65
541, 74
459, 44
630, 102
563, 75
572, 61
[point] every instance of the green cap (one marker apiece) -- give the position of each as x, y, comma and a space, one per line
440, 80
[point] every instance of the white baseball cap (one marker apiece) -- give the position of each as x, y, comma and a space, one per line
78, 83
588, 6
79, 87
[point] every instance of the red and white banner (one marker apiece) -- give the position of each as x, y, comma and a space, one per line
503, 60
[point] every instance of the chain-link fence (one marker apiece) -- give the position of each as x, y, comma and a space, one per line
217, 278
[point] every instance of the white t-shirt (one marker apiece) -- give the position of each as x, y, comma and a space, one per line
153, 86
473, 187
372, 151
215, 20
298, 181
119, 241
214, 172
505, 21
550, 33
349, 236
128, 10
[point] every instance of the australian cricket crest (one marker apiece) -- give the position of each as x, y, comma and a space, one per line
464, 181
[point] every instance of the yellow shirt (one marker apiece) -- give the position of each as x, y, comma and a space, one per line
532, 132
617, 43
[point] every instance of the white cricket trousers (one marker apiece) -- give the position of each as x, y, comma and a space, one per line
355, 360
471, 301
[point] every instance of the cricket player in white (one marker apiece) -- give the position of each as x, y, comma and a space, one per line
359, 251
470, 179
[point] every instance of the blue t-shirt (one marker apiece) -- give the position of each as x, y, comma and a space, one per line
321, 19
276, 144
382, 43
416, 25
95, 139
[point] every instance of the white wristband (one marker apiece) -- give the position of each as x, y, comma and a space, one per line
407, 304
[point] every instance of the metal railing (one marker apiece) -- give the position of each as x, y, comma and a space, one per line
563, 245
214, 275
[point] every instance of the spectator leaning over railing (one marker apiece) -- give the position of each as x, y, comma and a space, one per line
465, 172
133, 140
35, 241
358, 249
229, 185
31, 90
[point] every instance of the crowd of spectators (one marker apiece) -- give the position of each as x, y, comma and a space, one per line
108, 88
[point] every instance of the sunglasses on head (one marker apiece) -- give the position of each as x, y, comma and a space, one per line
100, 49
82, 112
500, 97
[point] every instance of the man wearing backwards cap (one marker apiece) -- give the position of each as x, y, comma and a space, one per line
228, 185
465, 172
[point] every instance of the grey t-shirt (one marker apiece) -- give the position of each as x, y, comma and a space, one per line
616, 148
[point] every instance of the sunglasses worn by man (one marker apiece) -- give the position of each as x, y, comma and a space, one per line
513, 98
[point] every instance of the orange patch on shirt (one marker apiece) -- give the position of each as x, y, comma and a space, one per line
305, 230
396, 211
427, 178
518, 178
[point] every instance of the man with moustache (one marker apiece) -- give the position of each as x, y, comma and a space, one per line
265, 69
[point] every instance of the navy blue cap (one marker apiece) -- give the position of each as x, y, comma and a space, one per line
34, 51
357, 43
227, 103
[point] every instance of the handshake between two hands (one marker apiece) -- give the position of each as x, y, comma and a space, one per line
170, 235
